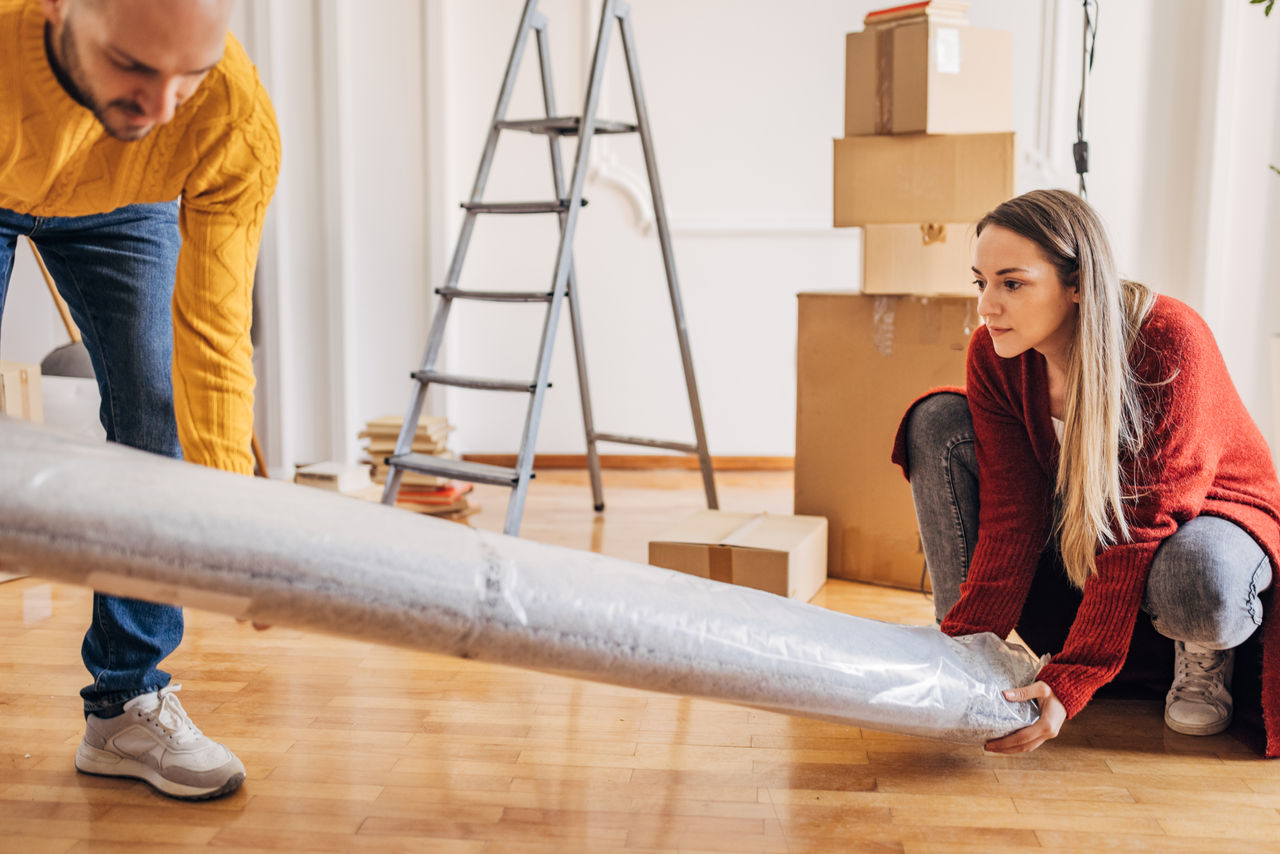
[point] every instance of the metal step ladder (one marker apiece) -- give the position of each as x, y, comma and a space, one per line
566, 206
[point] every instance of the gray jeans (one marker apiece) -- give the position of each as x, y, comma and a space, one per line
1204, 581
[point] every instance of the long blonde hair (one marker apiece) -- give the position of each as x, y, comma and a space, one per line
1104, 421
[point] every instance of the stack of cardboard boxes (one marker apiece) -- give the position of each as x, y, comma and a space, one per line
927, 148
927, 151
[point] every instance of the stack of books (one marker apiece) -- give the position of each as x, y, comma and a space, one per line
380, 436
948, 12
449, 501
421, 493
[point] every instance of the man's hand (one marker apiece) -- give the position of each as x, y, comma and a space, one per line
1052, 716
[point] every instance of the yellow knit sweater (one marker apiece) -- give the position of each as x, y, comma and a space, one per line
220, 155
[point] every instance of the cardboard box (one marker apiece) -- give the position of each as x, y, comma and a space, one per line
925, 77
20, 391
921, 177
20, 397
785, 555
930, 259
861, 361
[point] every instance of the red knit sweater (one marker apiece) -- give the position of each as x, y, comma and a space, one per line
1203, 456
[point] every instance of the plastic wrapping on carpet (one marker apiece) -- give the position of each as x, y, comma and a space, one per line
134, 524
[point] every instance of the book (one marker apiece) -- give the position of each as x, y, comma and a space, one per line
434, 426
333, 476
455, 508
950, 12
440, 509
380, 449
442, 495
380, 470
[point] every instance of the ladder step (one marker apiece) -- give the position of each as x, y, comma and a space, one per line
438, 378
519, 207
456, 469
565, 126
496, 296
682, 447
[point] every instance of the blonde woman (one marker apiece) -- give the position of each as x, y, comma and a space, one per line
1099, 472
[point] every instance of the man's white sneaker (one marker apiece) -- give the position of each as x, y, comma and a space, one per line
154, 741
1199, 703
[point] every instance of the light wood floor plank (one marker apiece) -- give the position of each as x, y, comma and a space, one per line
890, 837
149, 832
42, 844
1091, 840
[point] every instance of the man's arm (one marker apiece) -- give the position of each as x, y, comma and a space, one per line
222, 213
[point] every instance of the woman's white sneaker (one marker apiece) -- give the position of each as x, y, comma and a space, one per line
1199, 703
154, 741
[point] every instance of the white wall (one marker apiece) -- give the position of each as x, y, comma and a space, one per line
383, 116
744, 101
747, 181
343, 291
31, 325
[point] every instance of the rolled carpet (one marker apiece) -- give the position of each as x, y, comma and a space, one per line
134, 524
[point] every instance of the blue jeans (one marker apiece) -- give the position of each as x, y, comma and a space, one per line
116, 272
1204, 581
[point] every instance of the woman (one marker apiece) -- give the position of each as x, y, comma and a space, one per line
1099, 466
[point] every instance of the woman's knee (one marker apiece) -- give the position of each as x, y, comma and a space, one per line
1204, 584
935, 422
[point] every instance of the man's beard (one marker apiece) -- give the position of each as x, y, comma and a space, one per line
71, 74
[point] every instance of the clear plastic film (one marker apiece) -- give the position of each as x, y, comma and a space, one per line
133, 524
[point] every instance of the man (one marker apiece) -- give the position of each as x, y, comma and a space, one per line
138, 150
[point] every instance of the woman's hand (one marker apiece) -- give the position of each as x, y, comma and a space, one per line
1052, 716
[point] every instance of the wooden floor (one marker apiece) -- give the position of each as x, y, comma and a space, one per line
354, 747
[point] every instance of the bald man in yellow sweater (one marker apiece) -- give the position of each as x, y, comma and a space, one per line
138, 150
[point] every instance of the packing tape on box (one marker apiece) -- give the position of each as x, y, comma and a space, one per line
129, 523
933, 232
721, 563
720, 554
884, 79
882, 324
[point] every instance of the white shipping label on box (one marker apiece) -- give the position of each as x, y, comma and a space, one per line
946, 50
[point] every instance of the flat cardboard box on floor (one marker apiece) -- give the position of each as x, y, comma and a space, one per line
20, 395
924, 77
861, 361
784, 555
929, 259
921, 177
